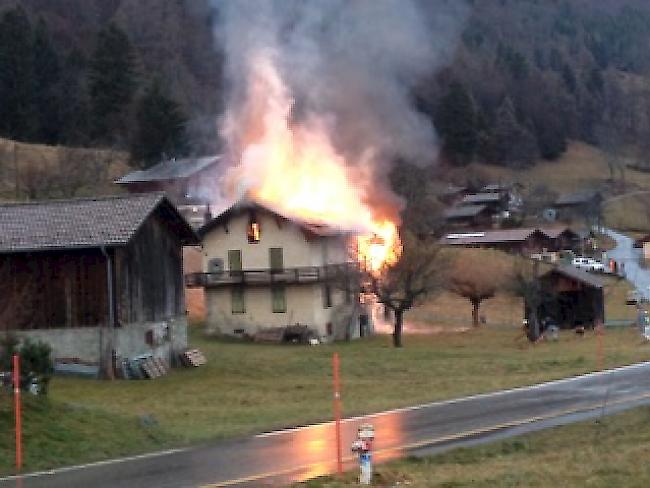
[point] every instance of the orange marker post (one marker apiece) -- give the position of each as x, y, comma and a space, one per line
19, 433
337, 411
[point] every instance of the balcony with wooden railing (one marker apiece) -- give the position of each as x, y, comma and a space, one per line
304, 274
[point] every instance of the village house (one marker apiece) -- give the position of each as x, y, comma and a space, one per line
184, 181
585, 205
263, 271
95, 278
468, 216
525, 241
495, 201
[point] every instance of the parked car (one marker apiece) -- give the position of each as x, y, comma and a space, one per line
634, 297
588, 264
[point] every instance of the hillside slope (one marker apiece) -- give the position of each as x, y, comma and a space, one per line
36, 171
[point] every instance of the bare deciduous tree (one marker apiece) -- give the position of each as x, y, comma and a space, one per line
419, 272
525, 284
476, 276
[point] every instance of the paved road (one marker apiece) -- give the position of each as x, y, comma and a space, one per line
278, 458
626, 253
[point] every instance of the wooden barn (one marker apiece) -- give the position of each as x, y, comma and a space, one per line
571, 298
96, 278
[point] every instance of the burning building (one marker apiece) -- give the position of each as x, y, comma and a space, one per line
266, 271
318, 109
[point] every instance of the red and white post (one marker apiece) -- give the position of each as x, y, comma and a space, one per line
337, 410
19, 427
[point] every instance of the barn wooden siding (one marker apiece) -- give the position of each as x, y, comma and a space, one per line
53, 289
149, 275
47, 290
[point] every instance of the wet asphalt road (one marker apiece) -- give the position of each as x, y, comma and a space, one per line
626, 253
278, 458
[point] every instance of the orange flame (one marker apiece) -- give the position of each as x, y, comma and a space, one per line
294, 167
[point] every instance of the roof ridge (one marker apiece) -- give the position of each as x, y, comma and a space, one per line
101, 198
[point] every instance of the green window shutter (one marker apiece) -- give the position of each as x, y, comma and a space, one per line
234, 260
237, 301
276, 259
279, 299
327, 296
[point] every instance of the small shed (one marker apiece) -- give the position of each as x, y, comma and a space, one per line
571, 298
584, 204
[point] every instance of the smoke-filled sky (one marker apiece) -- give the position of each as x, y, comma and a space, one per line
352, 62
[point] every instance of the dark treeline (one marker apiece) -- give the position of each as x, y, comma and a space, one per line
527, 76
100, 98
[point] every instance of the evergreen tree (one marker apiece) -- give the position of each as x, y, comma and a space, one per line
75, 111
112, 83
514, 145
16, 76
456, 120
47, 77
160, 127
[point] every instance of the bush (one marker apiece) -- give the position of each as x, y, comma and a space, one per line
36, 365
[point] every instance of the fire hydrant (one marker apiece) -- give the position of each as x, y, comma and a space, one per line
362, 445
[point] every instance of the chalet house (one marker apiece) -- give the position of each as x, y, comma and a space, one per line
183, 181
525, 241
571, 298
265, 271
583, 205
495, 201
468, 216
95, 277
453, 194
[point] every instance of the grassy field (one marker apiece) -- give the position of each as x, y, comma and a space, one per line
57, 171
610, 452
247, 388
582, 166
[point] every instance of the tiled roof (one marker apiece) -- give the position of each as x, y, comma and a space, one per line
464, 211
577, 274
170, 170
577, 198
81, 223
316, 228
502, 235
488, 237
482, 198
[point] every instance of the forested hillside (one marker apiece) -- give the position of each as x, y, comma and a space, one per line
144, 75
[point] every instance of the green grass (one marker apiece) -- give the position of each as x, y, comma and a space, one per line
610, 452
58, 433
247, 388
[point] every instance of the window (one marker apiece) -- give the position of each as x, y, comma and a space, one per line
237, 301
327, 296
276, 260
278, 299
254, 231
234, 261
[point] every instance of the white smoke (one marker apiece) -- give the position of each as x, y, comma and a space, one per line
353, 63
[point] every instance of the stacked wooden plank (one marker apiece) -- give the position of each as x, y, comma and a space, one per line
143, 367
193, 358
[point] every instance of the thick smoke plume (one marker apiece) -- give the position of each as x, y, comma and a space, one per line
338, 71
